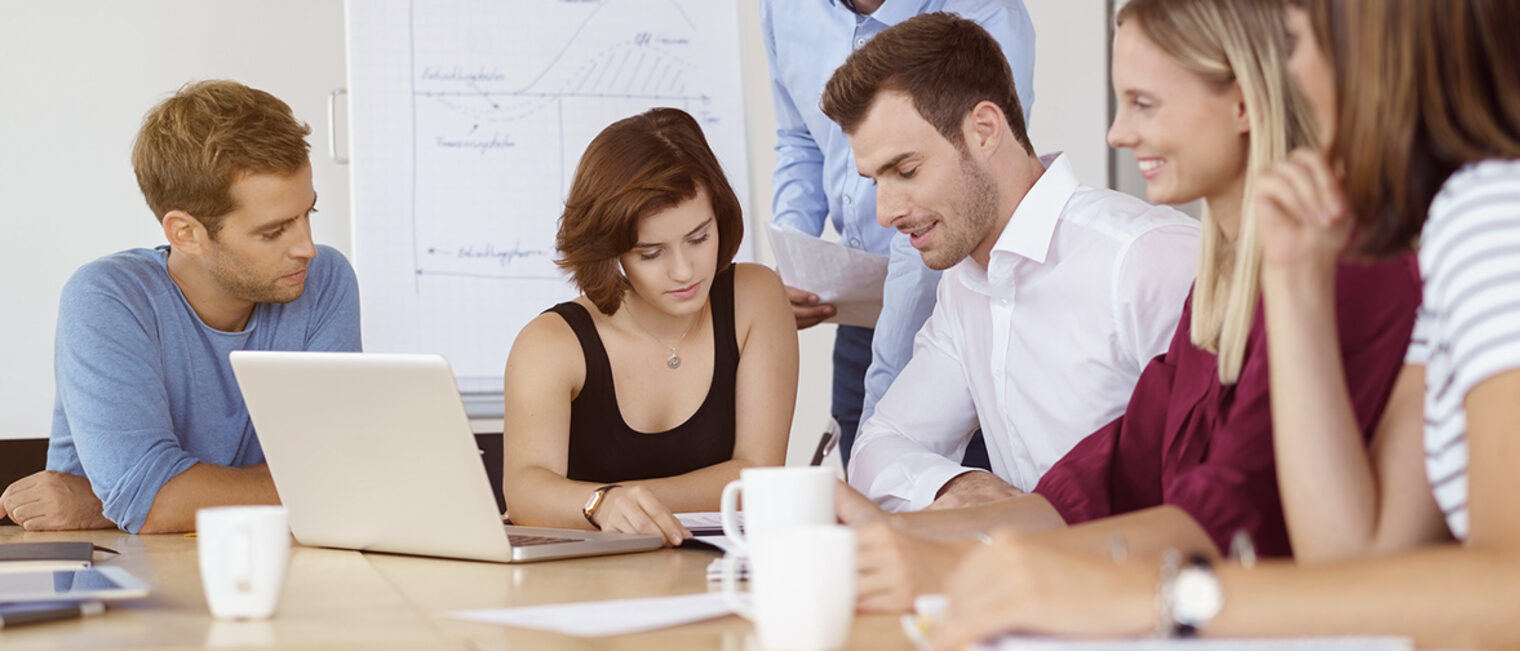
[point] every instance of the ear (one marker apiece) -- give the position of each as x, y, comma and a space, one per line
983, 128
185, 233
1242, 113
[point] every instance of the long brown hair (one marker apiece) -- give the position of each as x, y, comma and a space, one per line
636, 167
1424, 87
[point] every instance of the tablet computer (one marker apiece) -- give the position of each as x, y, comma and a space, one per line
102, 583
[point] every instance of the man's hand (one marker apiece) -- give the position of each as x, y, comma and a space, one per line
895, 567
855, 509
806, 308
973, 488
53, 501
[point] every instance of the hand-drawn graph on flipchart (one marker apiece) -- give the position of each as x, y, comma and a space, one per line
467, 119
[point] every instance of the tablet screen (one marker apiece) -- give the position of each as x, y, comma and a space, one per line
90, 583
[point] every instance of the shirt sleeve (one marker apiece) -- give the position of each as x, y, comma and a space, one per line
1474, 270
902, 456
799, 201
335, 326
1151, 282
907, 301
111, 387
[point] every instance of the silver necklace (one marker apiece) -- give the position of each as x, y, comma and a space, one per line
674, 361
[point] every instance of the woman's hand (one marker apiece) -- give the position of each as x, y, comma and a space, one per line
634, 509
1301, 214
1018, 584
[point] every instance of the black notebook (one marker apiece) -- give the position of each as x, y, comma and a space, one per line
44, 556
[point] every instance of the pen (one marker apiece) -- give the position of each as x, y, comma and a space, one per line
47, 611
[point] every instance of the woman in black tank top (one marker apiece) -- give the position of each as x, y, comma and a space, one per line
674, 370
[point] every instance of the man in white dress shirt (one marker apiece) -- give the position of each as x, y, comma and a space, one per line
1056, 295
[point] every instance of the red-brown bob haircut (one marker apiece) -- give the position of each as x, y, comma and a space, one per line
632, 169
944, 63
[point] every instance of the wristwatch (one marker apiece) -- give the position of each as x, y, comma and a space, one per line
1190, 594
595, 502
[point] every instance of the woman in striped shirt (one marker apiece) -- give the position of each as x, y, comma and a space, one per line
1416, 535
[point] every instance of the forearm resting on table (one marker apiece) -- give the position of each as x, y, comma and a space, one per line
557, 501
698, 490
1442, 596
1026, 513
1142, 534
205, 485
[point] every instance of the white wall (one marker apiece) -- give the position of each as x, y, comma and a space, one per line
78, 75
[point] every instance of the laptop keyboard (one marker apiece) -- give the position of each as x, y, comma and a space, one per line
526, 540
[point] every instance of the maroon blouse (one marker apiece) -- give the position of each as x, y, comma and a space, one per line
1189, 441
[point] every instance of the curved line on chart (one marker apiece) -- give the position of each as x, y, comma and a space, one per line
568, 42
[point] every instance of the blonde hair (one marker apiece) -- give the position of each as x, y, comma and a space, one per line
1228, 42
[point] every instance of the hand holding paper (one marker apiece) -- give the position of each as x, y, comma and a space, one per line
849, 279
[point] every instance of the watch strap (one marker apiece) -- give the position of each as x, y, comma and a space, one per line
593, 505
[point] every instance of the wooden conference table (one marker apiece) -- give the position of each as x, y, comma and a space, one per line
339, 598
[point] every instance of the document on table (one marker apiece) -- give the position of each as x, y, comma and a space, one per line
600, 618
706, 523
850, 279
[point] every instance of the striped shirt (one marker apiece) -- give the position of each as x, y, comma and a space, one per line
1468, 328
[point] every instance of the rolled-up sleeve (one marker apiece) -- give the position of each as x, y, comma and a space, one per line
110, 386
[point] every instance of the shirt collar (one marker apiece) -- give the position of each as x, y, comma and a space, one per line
1029, 232
893, 12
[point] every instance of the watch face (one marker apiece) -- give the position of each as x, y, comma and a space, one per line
596, 496
1198, 596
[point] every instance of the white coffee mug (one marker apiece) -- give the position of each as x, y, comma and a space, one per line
777, 498
802, 587
244, 551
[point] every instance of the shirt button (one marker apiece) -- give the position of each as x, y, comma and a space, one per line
1002, 302
847, 199
860, 42
855, 242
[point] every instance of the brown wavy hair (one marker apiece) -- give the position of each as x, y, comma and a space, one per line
1423, 87
636, 167
945, 63
194, 145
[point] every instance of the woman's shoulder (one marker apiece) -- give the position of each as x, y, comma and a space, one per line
547, 338
752, 277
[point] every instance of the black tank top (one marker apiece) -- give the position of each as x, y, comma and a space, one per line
604, 449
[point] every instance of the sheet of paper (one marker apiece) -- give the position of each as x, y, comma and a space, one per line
601, 618
848, 278
704, 520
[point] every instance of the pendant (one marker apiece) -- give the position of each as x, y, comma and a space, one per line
674, 362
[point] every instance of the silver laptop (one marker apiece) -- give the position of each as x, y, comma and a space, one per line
374, 452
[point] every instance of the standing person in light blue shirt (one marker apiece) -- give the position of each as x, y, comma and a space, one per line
816, 180
148, 422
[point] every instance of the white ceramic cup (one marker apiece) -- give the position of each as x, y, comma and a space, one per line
802, 587
777, 498
244, 551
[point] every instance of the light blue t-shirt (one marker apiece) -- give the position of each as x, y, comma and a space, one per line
815, 178
144, 388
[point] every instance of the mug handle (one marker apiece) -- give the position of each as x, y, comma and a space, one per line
731, 595
241, 561
728, 508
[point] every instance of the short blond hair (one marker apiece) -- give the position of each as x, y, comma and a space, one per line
193, 146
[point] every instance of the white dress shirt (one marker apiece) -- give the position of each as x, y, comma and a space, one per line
1043, 347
